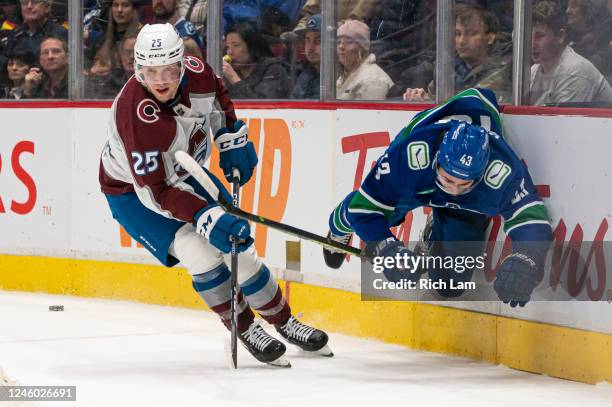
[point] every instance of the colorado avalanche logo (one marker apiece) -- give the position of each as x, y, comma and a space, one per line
147, 111
198, 144
194, 64
198, 147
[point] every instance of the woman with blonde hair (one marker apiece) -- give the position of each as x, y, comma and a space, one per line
122, 18
360, 77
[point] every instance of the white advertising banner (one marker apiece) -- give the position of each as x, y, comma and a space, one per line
51, 204
35, 191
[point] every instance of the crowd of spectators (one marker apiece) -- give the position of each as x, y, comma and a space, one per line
483, 58
560, 75
384, 50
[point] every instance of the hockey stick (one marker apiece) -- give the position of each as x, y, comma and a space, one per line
234, 275
193, 168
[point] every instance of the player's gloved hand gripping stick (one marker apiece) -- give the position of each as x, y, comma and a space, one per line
191, 166
236, 153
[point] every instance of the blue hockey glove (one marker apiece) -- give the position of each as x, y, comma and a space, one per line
516, 279
236, 151
392, 248
219, 228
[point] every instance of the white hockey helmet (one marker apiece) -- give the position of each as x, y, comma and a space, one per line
157, 45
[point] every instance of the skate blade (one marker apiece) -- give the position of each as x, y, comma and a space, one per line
282, 361
325, 351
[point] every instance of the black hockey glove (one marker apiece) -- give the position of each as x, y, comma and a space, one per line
392, 248
516, 278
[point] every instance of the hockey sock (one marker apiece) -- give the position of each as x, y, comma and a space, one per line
265, 296
214, 288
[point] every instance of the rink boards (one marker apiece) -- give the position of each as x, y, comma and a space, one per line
58, 235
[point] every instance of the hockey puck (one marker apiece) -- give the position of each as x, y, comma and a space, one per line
56, 307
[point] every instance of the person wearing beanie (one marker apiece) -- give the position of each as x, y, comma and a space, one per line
307, 83
360, 77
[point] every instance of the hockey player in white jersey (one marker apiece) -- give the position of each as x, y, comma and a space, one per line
176, 102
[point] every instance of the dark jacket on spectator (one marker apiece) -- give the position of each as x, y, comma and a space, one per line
22, 39
268, 80
41, 92
401, 30
307, 84
105, 87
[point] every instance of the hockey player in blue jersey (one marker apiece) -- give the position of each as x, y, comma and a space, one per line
454, 159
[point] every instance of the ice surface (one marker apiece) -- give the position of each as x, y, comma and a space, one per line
128, 354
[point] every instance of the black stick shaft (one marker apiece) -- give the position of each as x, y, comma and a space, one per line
292, 230
234, 281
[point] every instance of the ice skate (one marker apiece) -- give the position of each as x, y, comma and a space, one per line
334, 259
263, 347
305, 337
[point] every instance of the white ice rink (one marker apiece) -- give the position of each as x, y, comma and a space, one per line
129, 354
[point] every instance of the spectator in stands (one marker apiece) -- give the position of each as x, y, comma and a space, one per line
167, 11
102, 45
50, 81
10, 17
360, 77
108, 87
36, 26
59, 12
362, 10
308, 80
590, 32
196, 11
560, 75
253, 71
184, 5
236, 11
403, 34
483, 56
19, 64
503, 10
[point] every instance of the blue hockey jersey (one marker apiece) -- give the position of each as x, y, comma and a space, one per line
404, 177
187, 30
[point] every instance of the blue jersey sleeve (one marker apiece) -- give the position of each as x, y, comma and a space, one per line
525, 217
373, 204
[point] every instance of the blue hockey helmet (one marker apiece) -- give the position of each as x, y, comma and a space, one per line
464, 152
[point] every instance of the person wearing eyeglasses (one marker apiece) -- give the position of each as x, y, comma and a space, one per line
37, 25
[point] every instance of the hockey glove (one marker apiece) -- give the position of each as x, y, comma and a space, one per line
236, 151
219, 228
516, 278
401, 265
